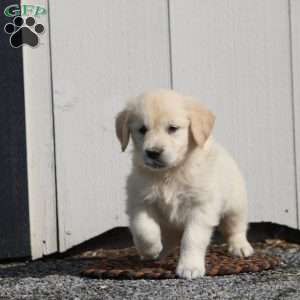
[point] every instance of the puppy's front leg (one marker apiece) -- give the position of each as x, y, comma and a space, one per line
146, 233
195, 240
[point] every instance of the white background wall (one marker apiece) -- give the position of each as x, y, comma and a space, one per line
235, 55
122, 49
239, 57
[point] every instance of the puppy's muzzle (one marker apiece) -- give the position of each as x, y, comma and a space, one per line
153, 158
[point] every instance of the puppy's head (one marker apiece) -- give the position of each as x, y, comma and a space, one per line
164, 126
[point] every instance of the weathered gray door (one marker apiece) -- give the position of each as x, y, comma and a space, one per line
236, 56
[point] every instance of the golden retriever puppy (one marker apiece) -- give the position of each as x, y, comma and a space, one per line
183, 184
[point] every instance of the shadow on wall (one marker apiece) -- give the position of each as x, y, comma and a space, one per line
120, 237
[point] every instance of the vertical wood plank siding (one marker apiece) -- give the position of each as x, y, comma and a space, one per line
235, 56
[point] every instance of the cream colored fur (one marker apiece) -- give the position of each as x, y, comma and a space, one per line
194, 187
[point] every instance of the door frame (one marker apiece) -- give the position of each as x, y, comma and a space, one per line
294, 11
40, 142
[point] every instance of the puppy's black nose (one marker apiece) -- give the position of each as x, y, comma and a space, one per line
154, 153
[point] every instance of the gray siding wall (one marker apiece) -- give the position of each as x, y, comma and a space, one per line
233, 55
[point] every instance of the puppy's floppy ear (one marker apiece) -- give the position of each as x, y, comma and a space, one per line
122, 128
201, 121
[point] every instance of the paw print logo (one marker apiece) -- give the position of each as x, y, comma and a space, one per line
24, 32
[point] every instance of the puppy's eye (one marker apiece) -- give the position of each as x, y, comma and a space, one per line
143, 130
172, 129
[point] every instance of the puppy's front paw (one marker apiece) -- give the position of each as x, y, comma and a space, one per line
150, 253
242, 249
190, 270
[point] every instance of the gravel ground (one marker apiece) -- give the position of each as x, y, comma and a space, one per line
59, 279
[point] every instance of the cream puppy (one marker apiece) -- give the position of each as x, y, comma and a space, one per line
183, 184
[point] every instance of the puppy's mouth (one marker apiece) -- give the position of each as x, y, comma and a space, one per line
155, 164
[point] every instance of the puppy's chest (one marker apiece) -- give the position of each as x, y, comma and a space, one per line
172, 201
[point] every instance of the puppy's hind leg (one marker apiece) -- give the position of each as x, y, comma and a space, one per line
234, 228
